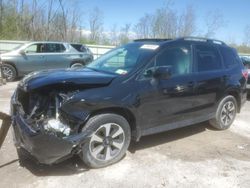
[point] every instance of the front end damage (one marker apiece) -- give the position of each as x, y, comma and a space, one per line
41, 128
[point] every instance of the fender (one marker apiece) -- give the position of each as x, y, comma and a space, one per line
86, 104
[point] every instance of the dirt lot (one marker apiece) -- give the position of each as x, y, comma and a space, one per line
195, 156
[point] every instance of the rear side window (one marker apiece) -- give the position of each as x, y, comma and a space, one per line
229, 57
35, 48
55, 48
208, 58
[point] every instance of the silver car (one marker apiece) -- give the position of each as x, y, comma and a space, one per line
36, 56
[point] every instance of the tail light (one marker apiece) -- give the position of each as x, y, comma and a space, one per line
245, 73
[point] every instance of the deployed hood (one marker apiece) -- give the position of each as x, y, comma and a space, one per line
65, 78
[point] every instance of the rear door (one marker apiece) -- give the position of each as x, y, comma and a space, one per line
211, 78
56, 56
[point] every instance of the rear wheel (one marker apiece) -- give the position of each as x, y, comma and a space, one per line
109, 141
9, 72
77, 65
225, 114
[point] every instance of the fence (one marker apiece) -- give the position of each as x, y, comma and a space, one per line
99, 50
244, 55
8, 45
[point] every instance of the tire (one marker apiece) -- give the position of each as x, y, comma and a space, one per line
9, 72
225, 114
103, 149
77, 65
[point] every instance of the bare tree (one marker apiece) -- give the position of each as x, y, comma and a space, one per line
143, 28
114, 35
124, 34
63, 20
247, 36
1, 17
164, 23
187, 22
95, 24
214, 21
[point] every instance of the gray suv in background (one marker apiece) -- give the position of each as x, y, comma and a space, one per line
36, 56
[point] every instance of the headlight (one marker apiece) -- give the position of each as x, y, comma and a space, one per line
57, 127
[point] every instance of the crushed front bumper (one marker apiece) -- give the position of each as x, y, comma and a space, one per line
46, 148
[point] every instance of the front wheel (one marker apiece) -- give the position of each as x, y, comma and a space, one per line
9, 72
225, 114
109, 141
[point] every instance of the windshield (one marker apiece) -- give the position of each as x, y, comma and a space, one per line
123, 59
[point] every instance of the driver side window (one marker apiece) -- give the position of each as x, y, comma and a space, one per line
178, 59
35, 48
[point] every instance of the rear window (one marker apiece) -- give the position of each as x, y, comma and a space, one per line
208, 58
79, 47
229, 57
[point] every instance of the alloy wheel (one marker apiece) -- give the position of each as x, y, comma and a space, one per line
228, 113
7, 72
107, 142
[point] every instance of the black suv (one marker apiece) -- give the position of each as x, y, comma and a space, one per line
144, 87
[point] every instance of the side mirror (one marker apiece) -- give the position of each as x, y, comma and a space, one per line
22, 52
148, 73
163, 72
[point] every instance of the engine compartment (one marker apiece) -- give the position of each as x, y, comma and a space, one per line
40, 109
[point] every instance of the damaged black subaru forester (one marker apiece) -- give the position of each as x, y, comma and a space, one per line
144, 87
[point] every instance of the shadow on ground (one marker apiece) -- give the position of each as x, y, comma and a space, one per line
74, 165
71, 166
169, 136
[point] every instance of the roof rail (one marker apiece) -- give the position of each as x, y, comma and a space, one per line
152, 40
203, 39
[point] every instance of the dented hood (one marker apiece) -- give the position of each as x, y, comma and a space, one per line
84, 77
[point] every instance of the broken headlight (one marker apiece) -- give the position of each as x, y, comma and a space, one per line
57, 127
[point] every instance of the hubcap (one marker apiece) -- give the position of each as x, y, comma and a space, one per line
228, 113
107, 142
7, 72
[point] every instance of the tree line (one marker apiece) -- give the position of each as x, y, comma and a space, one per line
62, 20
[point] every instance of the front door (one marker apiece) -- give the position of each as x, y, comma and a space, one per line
33, 58
164, 101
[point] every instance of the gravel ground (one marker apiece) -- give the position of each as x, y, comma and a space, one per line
195, 156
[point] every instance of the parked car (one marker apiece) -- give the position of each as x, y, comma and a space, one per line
141, 88
246, 62
35, 56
